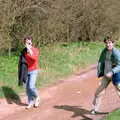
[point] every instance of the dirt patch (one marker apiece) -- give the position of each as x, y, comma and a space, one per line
68, 99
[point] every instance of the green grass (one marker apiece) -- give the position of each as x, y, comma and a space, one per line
56, 61
115, 115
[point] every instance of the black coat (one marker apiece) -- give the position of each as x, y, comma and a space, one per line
22, 68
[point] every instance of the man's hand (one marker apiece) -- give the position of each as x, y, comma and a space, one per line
109, 74
29, 49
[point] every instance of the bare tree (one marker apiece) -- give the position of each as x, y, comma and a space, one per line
49, 21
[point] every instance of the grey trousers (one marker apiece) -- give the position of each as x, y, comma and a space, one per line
104, 82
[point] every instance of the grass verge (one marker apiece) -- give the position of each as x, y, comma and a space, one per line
56, 61
115, 115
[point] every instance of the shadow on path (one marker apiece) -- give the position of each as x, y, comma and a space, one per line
11, 97
78, 111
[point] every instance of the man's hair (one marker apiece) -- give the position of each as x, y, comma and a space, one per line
108, 38
27, 38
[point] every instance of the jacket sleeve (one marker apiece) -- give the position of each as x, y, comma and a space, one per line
100, 66
19, 72
21, 68
116, 54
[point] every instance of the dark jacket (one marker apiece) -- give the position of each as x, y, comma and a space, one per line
115, 58
22, 68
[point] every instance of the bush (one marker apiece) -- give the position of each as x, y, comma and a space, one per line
57, 21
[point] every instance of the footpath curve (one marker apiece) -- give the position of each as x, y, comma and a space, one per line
68, 99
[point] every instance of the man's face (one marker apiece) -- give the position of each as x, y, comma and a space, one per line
28, 43
109, 45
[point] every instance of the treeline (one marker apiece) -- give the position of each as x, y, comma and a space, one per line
50, 21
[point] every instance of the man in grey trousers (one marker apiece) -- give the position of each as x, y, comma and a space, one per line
108, 67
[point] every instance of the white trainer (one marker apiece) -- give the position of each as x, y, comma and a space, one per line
93, 112
37, 102
29, 106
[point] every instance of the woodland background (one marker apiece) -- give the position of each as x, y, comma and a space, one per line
51, 21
